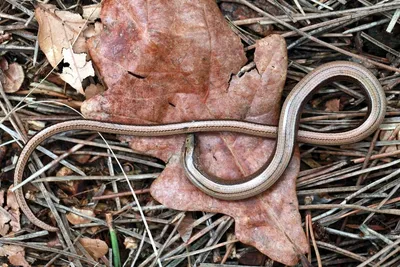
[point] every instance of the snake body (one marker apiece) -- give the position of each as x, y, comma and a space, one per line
287, 130
286, 135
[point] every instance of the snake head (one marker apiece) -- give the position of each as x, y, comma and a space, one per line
188, 150
189, 144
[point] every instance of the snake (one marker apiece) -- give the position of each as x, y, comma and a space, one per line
287, 133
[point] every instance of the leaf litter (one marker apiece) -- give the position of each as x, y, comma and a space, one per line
146, 62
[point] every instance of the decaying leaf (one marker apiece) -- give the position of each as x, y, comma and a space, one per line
15, 254
78, 69
58, 29
12, 76
76, 219
179, 68
97, 248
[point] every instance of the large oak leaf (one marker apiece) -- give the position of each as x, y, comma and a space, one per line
171, 61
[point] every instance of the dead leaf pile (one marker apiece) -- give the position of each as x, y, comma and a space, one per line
175, 61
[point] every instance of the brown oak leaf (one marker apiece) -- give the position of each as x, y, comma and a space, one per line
172, 61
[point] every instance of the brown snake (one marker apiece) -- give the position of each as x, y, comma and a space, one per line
286, 134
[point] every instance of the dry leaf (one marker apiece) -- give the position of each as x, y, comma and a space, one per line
12, 200
4, 37
81, 159
67, 188
332, 105
238, 12
93, 89
177, 68
36, 125
10, 214
76, 219
130, 243
13, 76
13, 210
3, 152
57, 30
2, 197
91, 12
64, 171
184, 229
15, 254
93, 30
54, 241
78, 69
3, 64
252, 258
97, 248
80, 46
5, 217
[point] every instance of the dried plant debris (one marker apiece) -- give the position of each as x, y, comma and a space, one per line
154, 62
